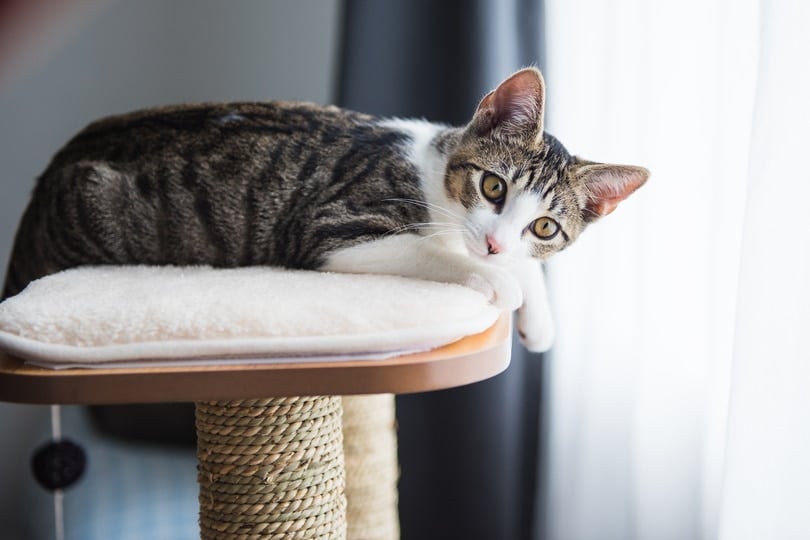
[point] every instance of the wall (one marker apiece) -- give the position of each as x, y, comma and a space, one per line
124, 56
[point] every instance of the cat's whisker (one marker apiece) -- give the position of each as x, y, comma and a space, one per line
429, 206
418, 226
436, 207
441, 233
472, 228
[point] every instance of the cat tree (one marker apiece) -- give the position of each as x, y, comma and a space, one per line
280, 453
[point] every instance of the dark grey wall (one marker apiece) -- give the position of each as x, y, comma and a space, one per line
126, 55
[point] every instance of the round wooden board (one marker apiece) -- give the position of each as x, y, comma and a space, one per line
466, 361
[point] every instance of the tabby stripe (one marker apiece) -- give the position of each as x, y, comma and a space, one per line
61, 231
395, 184
59, 248
188, 173
144, 186
251, 239
330, 137
357, 229
342, 174
293, 213
205, 213
551, 185
345, 186
357, 154
253, 242
295, 152
128, 226
532, 179
162, 218
555, 202
91, 233
57, 225
405, 187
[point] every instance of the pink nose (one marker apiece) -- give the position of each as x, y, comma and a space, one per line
493, 247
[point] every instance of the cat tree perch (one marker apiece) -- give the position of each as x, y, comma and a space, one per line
271, 452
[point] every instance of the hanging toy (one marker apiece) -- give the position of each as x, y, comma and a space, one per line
57, 465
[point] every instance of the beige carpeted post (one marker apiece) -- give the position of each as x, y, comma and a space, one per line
372, 471
271, 469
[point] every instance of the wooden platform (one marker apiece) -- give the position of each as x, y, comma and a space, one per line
469, 360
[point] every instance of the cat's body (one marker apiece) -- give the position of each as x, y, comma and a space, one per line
303, 186
227, 185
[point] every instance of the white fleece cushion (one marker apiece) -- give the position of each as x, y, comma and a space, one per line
98, 315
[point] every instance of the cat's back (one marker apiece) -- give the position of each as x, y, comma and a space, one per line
289, 116
209, 129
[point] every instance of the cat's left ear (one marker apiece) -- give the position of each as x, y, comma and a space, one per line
514, 108
604, 186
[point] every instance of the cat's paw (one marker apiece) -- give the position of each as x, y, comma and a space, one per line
498, 285
535, 327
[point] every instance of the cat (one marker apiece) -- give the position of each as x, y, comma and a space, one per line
311, 187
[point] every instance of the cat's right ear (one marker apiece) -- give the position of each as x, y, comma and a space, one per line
604, 186
514, 109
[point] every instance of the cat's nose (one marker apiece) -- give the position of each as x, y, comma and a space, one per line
493, 247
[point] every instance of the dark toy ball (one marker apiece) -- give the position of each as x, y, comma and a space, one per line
58, 465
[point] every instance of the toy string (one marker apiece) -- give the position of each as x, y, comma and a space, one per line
58, 509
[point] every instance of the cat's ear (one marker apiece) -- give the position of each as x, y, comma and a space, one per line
604, 186
514, 109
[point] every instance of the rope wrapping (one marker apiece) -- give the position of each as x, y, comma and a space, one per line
372, 470
271, 469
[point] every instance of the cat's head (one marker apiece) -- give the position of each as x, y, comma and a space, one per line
524, 195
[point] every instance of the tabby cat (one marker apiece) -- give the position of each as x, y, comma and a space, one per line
303, 186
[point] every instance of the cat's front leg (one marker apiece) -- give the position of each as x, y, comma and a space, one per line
414, 256
534, 321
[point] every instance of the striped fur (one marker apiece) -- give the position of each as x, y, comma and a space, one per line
227, 185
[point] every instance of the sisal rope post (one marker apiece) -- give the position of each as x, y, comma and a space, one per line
271, 469
372, 470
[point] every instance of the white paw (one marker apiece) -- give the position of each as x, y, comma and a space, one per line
535, 327
498, 285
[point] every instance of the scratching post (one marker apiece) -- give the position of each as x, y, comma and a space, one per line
271, 469
370, 444
268, 468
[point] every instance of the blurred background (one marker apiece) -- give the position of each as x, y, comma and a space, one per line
674, 404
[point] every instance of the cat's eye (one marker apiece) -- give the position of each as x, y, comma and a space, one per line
493, 188
545, 228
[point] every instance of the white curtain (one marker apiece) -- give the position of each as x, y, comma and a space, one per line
678, 400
